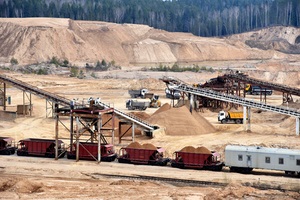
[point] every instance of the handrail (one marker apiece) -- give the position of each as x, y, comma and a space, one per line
130, 117
274, 86
229, 98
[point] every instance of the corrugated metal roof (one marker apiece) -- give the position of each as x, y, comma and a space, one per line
254, 149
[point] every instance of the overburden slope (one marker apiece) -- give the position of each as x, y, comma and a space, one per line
34, 40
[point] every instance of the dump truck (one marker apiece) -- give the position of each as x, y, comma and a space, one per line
257, 90
141, 93
136, 105
236, 117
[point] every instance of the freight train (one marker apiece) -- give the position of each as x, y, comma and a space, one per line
238, 158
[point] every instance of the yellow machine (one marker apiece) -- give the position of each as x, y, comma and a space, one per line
155, 102
247, 87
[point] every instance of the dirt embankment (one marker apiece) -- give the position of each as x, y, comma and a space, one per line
82, 42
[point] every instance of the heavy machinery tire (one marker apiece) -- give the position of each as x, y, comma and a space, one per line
223, 121
238, 121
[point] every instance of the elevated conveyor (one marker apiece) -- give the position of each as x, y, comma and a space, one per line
131, 118
237, 100
178, 85
34, 90
273, 86
66, 102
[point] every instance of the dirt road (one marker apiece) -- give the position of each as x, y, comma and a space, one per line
44, 178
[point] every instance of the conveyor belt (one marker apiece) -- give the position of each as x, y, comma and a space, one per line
66, 102
34, 90
273, 86
131, 118
229, 98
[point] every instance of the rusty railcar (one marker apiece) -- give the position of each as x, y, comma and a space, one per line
40, 147
200, 158
143, 154
89, 151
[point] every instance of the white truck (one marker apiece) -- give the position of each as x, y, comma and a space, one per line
141, 93
136, 105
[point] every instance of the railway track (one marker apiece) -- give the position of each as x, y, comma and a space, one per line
174, 181
187, 182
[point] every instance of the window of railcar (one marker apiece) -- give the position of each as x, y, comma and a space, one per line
240, 157
281, 161
268, 160
298, 162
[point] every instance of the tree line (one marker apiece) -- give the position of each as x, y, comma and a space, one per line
200, 17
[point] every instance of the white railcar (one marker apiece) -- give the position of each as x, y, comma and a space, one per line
246, 158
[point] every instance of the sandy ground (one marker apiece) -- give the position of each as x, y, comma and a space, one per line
41, 178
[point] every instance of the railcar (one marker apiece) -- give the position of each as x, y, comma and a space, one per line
200, 158
7, 146
40, 147
89, 151
246, 158
143, 155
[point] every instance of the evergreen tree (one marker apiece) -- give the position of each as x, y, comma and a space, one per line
200, 17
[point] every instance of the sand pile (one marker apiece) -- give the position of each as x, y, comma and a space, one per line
149, 146
140, 115
188, 149
20, 186
163, 108
136, 145
179, 121
191, 149
203, 150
